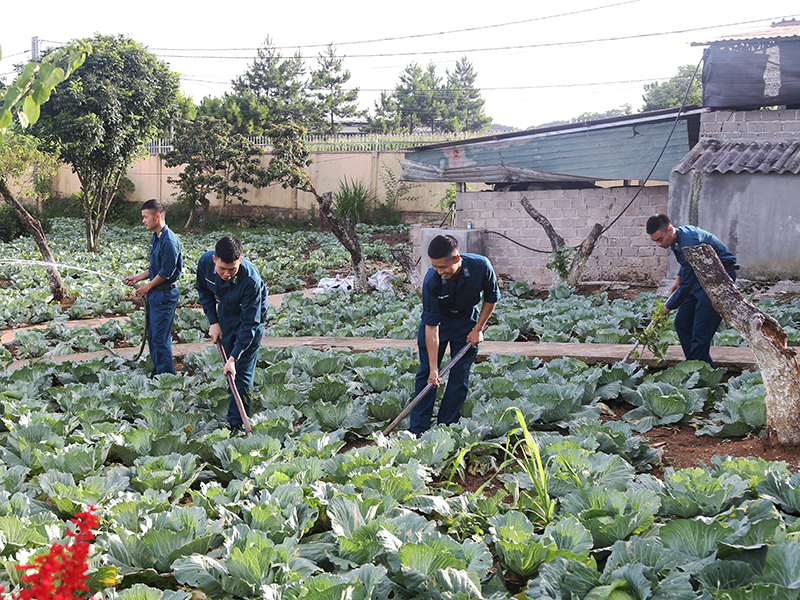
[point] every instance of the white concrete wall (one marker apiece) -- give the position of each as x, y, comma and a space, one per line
150, 175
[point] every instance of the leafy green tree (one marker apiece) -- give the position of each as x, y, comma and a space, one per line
463, 104
670, 93
623, 110
184, 109
333, 101
217, 161
243, 111
272, 90
100, 120
20, 155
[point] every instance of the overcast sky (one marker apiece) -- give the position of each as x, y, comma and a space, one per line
537, 62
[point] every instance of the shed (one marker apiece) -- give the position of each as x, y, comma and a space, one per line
618, 148
575, 174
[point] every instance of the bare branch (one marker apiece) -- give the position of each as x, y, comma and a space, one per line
555, 240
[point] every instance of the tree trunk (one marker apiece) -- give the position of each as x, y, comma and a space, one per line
404, 259
191, 214
57, 287
345, 232
779, 366
584, 251
206, 204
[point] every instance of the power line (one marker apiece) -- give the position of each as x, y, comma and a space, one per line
414, 36
490, 89
493, 49
5, 56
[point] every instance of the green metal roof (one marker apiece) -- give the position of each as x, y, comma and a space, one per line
607, 149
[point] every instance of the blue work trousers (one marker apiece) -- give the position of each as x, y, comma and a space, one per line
696, 322
161, 314
245, 368
454, 394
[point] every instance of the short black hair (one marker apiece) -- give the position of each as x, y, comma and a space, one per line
228, 250
443, 246
659, 222
155, 205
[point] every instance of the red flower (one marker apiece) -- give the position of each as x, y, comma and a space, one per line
62, 572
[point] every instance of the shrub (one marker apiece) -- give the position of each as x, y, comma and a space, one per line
122, 211
11, 227
354, 199
64, 206
389, 213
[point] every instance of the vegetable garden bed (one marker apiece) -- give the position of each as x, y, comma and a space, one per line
318, 504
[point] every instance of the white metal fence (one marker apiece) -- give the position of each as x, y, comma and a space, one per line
347, 143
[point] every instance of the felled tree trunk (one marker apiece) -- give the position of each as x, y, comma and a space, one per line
57, 287
573, 273
779, 366
404, 259
345, 232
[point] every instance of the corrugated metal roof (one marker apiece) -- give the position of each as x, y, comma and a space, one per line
665, 114
751, 156
619, 148
785, 30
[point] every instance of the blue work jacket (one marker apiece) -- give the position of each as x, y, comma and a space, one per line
453, 305
239, 304
166, 258
686, 236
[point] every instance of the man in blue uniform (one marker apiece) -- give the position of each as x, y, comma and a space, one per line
451, 292
166, 264
234, 298
696, 321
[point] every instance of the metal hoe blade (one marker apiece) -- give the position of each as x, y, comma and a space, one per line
236, 397
428, 387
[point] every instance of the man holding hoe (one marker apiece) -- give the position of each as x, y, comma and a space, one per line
451, 292
234, 298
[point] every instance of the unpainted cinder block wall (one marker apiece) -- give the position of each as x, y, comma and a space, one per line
625, 253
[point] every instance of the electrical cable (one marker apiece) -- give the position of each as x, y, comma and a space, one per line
414, 36
516, 242
490, 49
641, 185
663, 149
449, 211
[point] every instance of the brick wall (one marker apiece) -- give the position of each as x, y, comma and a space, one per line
748, 124
624, 253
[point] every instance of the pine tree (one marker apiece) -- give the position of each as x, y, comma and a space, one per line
386, 117
334, 102
272, 90
420, 100
463, 101
418, 97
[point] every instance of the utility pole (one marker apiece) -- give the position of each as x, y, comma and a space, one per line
35, 53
